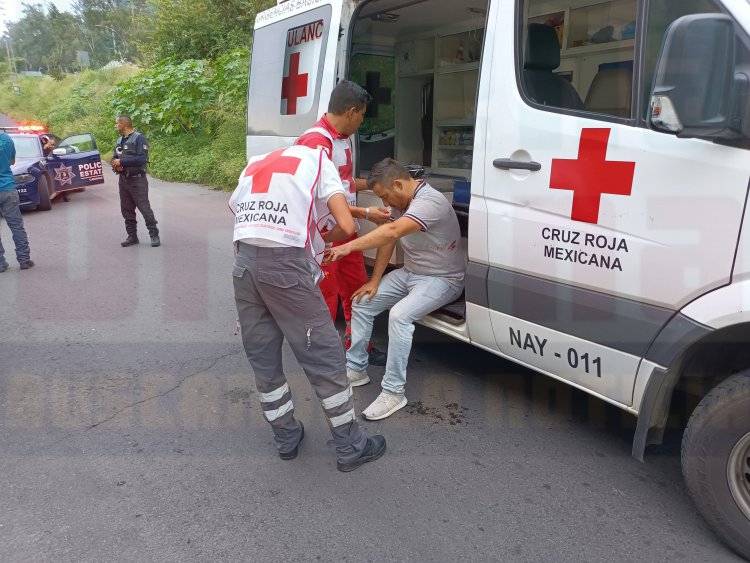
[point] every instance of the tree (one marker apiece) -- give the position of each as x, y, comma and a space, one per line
200, 29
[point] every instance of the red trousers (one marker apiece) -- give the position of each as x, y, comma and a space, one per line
342, 279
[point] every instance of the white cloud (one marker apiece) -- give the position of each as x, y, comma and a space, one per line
12, 10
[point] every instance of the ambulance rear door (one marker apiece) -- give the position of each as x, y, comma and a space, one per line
601, 229
292, 70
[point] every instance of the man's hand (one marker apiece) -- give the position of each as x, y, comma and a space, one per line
116, 164
368, 290
379, 215
336, 253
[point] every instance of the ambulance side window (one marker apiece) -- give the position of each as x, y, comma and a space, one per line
578, 58
660, 15
285, 73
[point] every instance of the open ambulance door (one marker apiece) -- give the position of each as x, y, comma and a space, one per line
293, 69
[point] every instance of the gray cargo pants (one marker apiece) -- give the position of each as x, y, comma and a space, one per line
276, 299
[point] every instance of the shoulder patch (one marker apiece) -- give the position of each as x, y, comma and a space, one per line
145, 146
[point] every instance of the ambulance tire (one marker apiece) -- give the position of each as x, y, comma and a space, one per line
716, 460
45, 203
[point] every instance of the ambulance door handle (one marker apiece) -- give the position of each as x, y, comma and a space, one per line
508, 164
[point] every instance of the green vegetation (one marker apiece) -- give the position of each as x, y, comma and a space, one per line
187, 94
192, 112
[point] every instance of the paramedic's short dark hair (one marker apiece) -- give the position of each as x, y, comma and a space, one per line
385, 172
126, 119
347, 95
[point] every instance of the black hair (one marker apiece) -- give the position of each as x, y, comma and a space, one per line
126, 119
347, 95
386, 172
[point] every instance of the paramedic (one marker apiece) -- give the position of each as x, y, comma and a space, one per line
277, 203
346, 110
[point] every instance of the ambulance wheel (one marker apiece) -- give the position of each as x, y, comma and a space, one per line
45, 204
716, 460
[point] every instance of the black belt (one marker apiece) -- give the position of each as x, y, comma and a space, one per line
138, 175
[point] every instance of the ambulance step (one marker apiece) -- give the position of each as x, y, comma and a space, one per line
453, 313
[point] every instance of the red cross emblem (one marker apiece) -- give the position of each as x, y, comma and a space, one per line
293, 86
263, 170
591, 175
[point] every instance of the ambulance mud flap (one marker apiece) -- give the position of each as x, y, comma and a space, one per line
673, 340
654, 410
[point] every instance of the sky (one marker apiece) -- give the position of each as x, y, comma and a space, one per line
12, 9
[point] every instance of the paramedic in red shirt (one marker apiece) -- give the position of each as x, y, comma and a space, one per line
346, 110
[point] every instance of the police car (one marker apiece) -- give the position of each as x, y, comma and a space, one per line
42, 175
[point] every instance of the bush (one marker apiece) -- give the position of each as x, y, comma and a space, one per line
192, 112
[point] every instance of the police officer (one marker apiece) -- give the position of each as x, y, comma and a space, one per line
129, 162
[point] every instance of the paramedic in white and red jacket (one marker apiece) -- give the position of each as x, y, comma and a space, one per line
279, 201
432, 276
346, 110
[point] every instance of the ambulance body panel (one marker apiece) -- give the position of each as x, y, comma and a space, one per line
611, 259
607, 242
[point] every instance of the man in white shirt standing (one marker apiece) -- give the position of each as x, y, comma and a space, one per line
280, 200
433, 275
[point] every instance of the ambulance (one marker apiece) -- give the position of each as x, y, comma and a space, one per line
597, 154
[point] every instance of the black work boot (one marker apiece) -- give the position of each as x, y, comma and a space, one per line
292, 454
130, 241
155, 241
374, 449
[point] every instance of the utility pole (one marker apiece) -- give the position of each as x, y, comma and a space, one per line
11, 57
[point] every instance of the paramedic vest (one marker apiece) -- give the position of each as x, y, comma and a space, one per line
341, 158
276, 199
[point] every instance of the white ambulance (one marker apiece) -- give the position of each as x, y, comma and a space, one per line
597, 153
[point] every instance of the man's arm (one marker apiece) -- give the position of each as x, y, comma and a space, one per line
381, 263
360, 184
385, 234
344, 222
141, 155
382, 258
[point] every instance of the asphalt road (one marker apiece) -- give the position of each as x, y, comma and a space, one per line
131, 430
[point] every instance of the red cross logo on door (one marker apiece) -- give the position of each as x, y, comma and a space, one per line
263, 170
293, 86
591, 175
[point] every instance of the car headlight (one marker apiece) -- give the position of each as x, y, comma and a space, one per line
23, 178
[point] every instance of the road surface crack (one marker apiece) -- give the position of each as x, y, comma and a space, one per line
164, 393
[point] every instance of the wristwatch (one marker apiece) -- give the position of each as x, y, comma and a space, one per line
367, 213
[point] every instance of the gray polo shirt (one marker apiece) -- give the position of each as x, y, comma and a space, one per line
434, 250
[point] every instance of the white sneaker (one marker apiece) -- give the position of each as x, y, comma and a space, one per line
384, 406
357, 378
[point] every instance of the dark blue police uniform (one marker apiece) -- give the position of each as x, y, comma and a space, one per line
133, 154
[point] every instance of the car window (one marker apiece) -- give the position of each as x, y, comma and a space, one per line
78, 143
578, 58
27, 146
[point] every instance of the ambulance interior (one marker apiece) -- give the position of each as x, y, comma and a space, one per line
420, 60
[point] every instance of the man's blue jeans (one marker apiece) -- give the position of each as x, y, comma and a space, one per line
11, 212
410, 297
